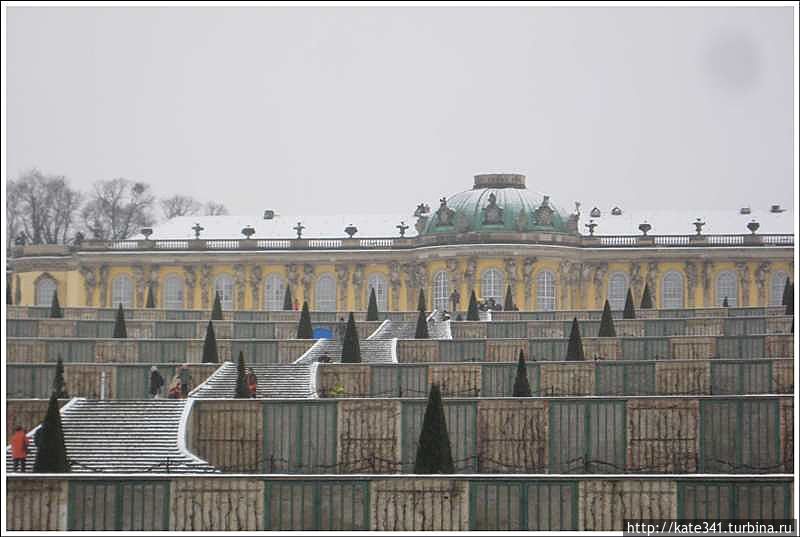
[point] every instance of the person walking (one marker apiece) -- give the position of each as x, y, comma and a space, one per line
156, 383
252, 382
174, 388
185, 378
19, 448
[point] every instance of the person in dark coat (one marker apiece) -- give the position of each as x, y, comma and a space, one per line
156, 383
186, 378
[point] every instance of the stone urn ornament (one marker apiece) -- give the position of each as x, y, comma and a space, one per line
644, 227
146, 231
698, 226
402, 227
248, 231
351, 230
753, 226
590, 226
197, 228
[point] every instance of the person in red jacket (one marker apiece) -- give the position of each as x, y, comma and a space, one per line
19, 448
252, 382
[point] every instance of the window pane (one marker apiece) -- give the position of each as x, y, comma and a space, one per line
545, 290
274, 291
378, 282
617, 290
441, 291
492, 285
776, 289
326, 293
224, 286
173, 293
45, 288
122, 292
727, 287
672, 290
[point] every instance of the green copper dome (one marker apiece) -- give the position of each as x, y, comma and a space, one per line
498, 203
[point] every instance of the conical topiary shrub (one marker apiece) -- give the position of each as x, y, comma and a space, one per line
472, 310
242, 392
151, 300
607, 322
287, 299
786, 291
725, 302
522, 388
120, 331
372, 307
351, 350
575, 345
9, 297
422, 305
422, 327
647, 300
51, 452
508, 305
433, 448
304, 328
59, 385
55, 307
790, 302
629, 312
216, 309
210, 355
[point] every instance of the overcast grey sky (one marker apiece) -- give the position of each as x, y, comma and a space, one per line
303, 109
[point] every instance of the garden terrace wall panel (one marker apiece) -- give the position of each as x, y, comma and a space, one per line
368, 436
36, 504
512, 436
233, 504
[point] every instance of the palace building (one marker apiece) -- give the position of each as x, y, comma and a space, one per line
499, 233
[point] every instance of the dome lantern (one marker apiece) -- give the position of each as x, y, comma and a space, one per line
499, 180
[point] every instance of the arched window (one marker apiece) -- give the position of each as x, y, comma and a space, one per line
122, 292
441, 291
45, 289
274, 292
378, 282
727, 287
224, 286
545, 290
672, 290
617, 290
173, 292
325, 294
776, 288
492, 285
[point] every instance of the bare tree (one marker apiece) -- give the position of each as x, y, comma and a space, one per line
214, 209
179, 205
118, 208
41, 207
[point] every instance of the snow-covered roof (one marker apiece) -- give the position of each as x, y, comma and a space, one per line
679, 222
663, 222
280, 226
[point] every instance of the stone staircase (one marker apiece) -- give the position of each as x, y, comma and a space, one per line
123, 437
274, 380
438, 328
373, 351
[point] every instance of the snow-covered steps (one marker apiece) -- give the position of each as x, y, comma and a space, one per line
274, 380
438, 328
373, 351
123, 437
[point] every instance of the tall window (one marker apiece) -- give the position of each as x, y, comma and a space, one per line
378, 282
441, 291
274, 292
672, 290
224, 286
617, 290
545, 290
776, 288
122, 292
727, 286
45, 288
173, 292
492, 285
325, 294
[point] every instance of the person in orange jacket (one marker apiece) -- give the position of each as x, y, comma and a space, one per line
252, 382
19, 448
